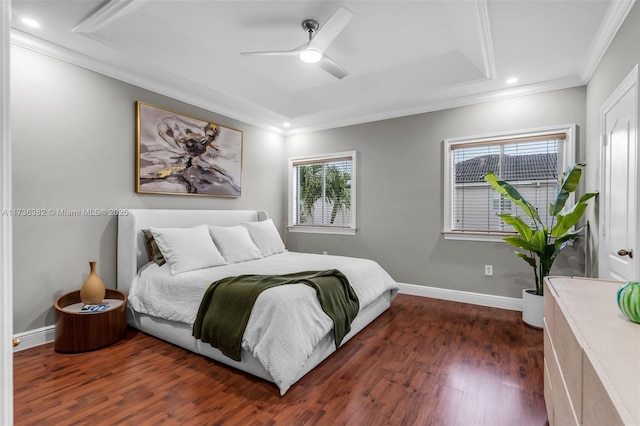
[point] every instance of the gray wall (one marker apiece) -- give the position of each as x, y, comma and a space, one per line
623, 54
73, 134
400, 187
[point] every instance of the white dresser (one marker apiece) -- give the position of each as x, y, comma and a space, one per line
591, 355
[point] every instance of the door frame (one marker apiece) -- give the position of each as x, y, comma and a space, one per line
630, 82
6, 276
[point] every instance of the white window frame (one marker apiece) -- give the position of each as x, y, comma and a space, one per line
494, 236
318, 229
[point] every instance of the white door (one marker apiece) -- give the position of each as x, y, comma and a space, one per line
618, 249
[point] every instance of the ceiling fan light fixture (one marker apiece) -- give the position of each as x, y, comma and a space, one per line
310, 56
319, 41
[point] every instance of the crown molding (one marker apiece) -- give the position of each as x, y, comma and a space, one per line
336, 119
110, 10
482, 14
177, 88
613, 20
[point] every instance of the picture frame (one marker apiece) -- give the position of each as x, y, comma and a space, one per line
178, 154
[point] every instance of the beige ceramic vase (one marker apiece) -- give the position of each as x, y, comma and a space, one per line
92, 291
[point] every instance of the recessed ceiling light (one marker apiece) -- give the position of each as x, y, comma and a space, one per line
512, 80
30, 22
286, 124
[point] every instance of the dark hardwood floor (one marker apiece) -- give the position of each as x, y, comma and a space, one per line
423, 362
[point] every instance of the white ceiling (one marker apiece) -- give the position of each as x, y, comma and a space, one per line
403, 57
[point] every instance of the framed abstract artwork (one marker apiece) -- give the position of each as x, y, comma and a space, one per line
183, 155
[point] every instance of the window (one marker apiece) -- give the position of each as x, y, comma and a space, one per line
501, 204
531, 161
322, 193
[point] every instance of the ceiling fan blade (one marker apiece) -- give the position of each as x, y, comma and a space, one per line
272, 53
330, 66
330, 30
292, 52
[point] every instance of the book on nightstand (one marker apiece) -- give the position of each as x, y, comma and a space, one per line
95, 308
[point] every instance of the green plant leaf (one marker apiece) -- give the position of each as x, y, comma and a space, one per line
530, 260
567, 221
557, 206
565, 240
518, 224
539, 240
518, 242
571, 177
560, 245
547, 258
569, 183
512, 194
566, 237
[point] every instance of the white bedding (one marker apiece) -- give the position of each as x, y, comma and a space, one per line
280, 335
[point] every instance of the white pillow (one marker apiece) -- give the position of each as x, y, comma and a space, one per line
266, 237
187, 249
234, 243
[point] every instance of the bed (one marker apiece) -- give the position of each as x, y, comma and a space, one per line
164, 304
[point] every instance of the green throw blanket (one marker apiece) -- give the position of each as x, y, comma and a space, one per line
226, 305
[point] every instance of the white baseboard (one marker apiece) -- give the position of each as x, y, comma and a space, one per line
33, 338
502, 302
40, 336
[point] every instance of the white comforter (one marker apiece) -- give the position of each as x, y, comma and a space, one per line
286, 323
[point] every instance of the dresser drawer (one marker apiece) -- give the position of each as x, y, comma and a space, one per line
549, 302
548, 358
550, 362
560, 409
569, 355
548, 393
598, 408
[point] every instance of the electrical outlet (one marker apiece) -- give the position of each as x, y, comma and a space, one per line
324, 252
488, 270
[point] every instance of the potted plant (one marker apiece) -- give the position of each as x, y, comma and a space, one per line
539, 244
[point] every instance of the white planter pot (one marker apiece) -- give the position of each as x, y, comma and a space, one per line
532, 308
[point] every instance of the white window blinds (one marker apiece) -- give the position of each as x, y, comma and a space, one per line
322, 191
531, 164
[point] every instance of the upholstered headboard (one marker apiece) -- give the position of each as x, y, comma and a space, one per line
132, 254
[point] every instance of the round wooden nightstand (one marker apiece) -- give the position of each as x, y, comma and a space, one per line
78, 331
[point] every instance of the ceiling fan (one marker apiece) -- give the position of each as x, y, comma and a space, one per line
319, 40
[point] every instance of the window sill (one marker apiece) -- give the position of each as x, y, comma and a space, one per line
321, 230
476, 236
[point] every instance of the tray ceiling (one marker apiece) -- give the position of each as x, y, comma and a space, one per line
403, 57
